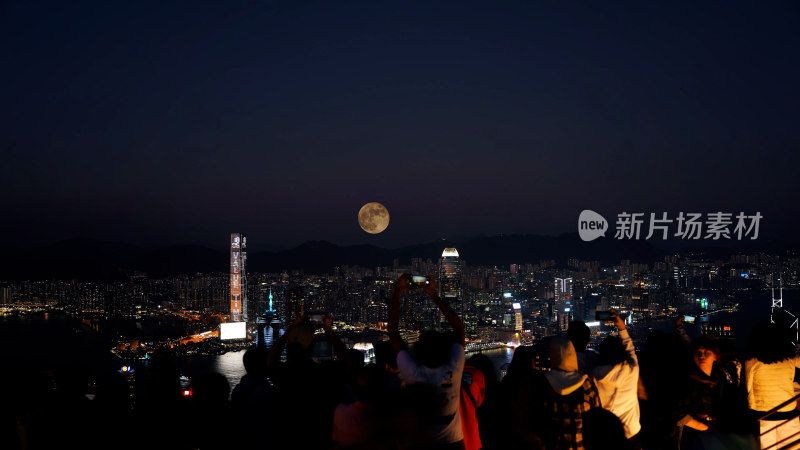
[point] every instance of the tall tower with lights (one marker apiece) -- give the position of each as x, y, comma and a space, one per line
450, 289
268, 326
563, 302
238, 277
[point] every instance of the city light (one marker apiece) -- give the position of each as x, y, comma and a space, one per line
235, 330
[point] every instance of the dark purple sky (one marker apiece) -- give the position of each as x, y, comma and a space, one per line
156, 124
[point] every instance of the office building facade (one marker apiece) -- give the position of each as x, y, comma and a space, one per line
450, 288
238, 277
562, 296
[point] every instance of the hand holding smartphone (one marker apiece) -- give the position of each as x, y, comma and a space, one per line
418, 281
317, 318
602, 316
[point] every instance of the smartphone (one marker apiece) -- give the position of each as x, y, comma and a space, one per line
316, 318
688, 319
602, 316
419, 280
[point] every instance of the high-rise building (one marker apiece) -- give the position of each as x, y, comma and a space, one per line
238, 277
563, 289
563, 302
268, 325
450, 276
5, 295
450, 288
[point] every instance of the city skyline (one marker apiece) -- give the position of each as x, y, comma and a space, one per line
131, 326
160, 124
197, 195
92, 259
496, 297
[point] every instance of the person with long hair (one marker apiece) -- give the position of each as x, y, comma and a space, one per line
770, 364
664, 366
518, 399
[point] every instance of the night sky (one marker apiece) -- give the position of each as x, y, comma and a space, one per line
156, 123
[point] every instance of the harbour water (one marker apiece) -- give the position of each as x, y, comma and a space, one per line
230, 364
52, 342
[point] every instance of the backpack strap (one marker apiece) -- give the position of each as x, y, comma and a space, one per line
466, 380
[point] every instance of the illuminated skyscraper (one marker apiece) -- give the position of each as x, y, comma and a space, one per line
238, 277
563, 289
268, 325
5, 295
450, 287
563, 302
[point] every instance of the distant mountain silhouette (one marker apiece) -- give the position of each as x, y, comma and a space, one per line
77, 258
88, 259
181, 259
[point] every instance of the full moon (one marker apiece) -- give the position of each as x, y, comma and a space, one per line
373, 218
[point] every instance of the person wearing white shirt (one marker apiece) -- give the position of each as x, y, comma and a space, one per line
616, 376
435, 369
769, 378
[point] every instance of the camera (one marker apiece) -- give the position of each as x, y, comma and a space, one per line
316, 318
418, 281
602, 316
688, 319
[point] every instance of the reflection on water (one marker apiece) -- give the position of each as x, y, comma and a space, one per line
498, 356
48, 342
230, 365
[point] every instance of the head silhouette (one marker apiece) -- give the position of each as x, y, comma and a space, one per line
612, 351
579, 334
433, 348
255, 361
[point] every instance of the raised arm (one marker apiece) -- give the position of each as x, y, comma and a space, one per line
400, 288
626, 338
682, 332
449, 314
338, 346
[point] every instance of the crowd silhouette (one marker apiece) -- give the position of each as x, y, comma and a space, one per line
557, 394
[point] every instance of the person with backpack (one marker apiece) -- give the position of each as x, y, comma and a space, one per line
473, 391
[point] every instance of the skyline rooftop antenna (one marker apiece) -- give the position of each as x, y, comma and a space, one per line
270, 299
